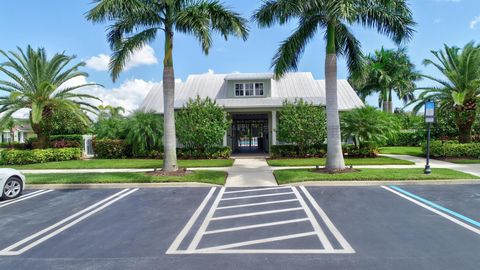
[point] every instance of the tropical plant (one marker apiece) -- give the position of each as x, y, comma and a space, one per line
137, 22
386, 72
112, 127
201, 124
41, 84
389, 17
63, 122
459, 91
144, 133
303, 124
369, 125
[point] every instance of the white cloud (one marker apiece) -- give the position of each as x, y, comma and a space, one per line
474, 22
210, 71
143, 56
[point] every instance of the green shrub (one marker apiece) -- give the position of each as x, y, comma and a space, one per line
215, 152
20, 157
453, 149
303, 124
408, 138
71, 138
293, 151
15, 145
108, 148
144, 133
366, 150
201, 125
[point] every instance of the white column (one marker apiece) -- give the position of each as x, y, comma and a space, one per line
274, 127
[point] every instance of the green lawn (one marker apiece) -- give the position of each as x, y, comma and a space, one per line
402, 150
300, 175
463, 161
211, 177
123, 164
348, 161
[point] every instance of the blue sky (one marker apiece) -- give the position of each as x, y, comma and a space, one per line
59, 25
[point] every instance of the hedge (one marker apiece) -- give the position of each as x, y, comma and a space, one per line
293, 151
453, 149
408, 138
215, 152
20, 157
111, 149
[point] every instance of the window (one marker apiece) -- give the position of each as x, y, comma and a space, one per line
259, 89
249, 89
238, 89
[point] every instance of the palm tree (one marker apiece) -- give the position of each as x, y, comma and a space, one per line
459, 90
137, 22
389, 17
386, 72
40, 84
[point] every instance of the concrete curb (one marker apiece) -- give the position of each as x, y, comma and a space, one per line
385, 183
120, 185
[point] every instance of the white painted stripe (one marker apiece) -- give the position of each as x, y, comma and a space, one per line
260, 241
257, 226
258, 213
321, 235
255, 204
266, 251
442, 214
46, 230
178, 240
257, 196
336, 233
253, 190
198, 236
22, 196
26, 197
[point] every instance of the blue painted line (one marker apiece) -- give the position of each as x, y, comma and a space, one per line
432, 204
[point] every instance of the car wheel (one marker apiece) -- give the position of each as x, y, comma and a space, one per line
12, 188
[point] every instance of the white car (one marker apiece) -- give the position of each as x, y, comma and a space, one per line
12, 183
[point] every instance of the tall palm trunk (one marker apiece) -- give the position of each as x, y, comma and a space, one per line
389, 102
464, 121
335, 160
169, 137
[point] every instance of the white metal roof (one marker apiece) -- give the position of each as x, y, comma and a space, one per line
292, 86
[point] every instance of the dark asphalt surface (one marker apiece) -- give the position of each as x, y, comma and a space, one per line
386, 231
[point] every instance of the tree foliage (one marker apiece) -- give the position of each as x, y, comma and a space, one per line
201, 124
302, 123
458, 91
63, 122
386, 72
144, 133
40, 83
368, 124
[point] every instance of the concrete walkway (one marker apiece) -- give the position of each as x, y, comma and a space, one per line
250, 172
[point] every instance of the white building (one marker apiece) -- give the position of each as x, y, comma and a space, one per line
252, 100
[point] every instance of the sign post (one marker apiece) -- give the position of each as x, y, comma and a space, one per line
429, 119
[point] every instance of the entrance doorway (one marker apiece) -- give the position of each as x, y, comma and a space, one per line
250, 135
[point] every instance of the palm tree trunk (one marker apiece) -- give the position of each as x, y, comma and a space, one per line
389, 103
335, 160
464, 121
169, 136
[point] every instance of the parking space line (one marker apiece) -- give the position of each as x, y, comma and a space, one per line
400, 192
258, 225
255, 189
198, 236
256, 196
336, 233
73, 219
25, 197
260, 241
178, 240
255, 204
258, 213
321, 235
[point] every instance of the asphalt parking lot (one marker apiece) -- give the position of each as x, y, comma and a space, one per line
377, 227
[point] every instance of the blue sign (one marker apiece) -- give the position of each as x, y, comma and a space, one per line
429, 111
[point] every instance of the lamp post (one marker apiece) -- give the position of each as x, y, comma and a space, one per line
429, 119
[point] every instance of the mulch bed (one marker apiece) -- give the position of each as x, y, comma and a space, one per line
179, 172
